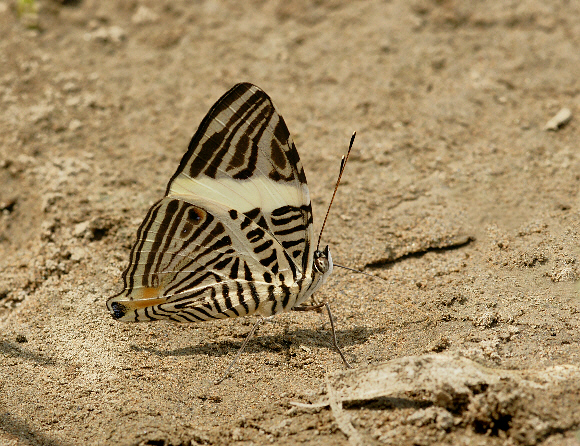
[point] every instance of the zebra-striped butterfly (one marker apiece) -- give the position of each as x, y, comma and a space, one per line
233, 235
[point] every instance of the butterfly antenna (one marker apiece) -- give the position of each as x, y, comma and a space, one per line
342, 164
358, 271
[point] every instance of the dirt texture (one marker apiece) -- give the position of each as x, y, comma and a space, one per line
456, 195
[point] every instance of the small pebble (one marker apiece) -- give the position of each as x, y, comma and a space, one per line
559, 120
21, 339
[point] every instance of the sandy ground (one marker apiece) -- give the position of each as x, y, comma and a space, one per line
455, 195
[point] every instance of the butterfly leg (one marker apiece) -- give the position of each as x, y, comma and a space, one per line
318, 308
346, 363
250, 335
303, 307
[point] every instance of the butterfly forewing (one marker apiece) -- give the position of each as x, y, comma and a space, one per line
234, 233
243, 157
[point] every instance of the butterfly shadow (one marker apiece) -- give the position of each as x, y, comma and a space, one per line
12, 350
279, 342
23, 430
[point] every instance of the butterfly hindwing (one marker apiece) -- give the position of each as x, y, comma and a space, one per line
189, 265
233, 234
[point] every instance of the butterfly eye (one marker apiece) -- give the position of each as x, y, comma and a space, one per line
321, 265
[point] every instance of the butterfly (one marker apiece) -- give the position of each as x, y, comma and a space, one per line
233, 235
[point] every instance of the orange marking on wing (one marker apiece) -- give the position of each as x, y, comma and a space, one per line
148, 298
150, 293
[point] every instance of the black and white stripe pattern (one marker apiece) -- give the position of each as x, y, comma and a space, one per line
241, 136
233, 235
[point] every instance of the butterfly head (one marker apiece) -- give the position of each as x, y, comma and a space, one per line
323, 264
